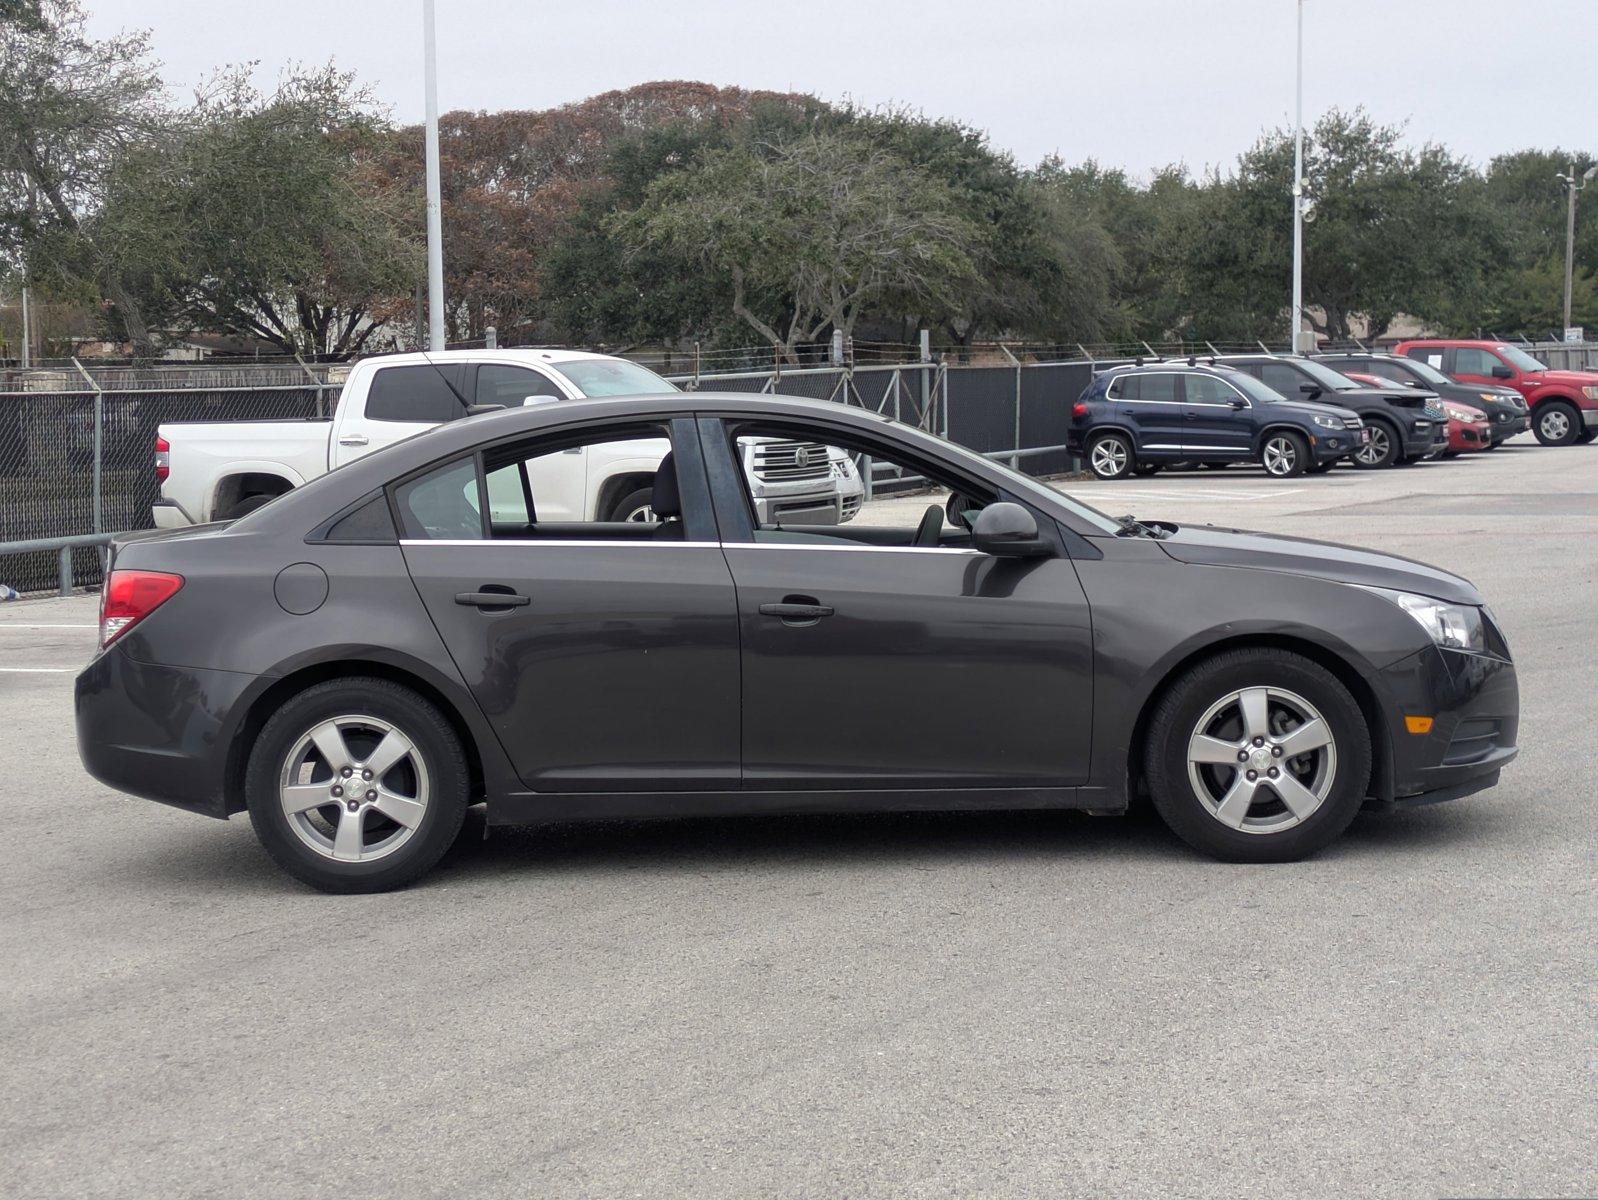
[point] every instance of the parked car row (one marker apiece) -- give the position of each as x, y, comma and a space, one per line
1296, 414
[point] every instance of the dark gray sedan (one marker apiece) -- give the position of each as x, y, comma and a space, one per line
363, 658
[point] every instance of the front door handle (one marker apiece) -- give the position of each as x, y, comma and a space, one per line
354, 439
797, 610
485, 600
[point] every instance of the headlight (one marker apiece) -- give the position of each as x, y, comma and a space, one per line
1456, 626
1328, 422
1492, 399
1591, 392
1461, 414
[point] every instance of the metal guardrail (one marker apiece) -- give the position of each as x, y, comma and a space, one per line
64, 546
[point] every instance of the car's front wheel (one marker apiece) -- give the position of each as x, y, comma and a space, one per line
1110, 456
1284, 454
1557, 424
357, 785
1381, 451
1258, 755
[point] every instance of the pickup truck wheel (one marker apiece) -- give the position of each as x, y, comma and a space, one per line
1381, 450
357, 785
1110, 456
634, 506
1285, 454
1257, 755
1557, 423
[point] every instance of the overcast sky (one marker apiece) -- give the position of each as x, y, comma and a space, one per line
1133, 83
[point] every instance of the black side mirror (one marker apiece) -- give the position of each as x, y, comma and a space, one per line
1310, 389
955, 509
1007, 530
1502, 372
1239, 403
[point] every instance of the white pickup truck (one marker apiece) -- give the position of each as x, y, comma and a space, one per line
219, 470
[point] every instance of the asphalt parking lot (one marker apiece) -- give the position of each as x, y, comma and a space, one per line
1031, 1005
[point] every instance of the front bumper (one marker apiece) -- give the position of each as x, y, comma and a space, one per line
1508, 428
1474, 703
1420, 442
162, 733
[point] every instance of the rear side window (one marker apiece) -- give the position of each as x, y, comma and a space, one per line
371, 522
1155, 386
413, 394
443, 504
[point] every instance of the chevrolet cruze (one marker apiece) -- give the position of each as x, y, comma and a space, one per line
362, 659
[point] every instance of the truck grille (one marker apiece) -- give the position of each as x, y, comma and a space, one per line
786, 462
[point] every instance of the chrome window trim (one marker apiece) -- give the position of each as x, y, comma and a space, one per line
665, 545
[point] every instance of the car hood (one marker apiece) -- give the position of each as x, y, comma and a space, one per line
1304, 408
1574, 379
1207, 545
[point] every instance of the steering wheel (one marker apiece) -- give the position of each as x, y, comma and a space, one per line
931, 526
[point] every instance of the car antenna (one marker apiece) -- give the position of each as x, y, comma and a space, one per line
470, 409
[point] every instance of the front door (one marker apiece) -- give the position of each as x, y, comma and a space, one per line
1216, 419
605, 655
886, 653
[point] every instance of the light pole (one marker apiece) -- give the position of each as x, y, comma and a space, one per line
1572, 186
1298, 191
435, 214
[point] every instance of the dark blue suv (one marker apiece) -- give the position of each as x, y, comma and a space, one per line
1140, 418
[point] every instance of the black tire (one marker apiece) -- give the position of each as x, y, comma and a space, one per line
1146, 468
1385, 449
249, 504
1176, 718
1284, 454
633, 503
448, 782
1109, 464
1556, 423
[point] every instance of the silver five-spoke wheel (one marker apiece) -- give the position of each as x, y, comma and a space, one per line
1261, 759
1374, 451
1110, 457
354, 788
1280, 456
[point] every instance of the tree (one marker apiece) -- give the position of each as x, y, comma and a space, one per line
263, 215
809, 232
70, 106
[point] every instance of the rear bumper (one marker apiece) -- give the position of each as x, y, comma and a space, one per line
158, 732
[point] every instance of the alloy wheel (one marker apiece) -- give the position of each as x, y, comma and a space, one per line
1554, 425
1280, 456
1110, 457
354, 788
1374, 452
644, 513
1261, 759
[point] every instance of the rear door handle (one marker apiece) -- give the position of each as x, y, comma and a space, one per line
505, 599
797, 610
354, 439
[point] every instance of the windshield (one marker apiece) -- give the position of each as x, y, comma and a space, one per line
1521, 359
1424, 369
1326, 377
1254, 389
600, 377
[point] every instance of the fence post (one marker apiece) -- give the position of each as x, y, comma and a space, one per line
64, 570
99, 449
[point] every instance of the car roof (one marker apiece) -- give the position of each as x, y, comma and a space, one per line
521, 355
1170, 364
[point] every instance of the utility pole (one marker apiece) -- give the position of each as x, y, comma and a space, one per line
27, 334
1298, 191
1572, 186
435, 212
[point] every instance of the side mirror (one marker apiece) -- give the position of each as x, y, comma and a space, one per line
1310, 389
1502, 372
1239, 404
1007, 530
955, 509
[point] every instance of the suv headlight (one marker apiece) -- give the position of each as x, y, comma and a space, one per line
1456, 626
1326, 422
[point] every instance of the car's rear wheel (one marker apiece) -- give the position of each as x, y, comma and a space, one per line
1557, 423
1284, 454
1110, 456
1258, 755
1381, 451
357, 785
634, 506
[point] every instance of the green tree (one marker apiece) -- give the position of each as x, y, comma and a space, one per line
263, 215
70, 106
809, 232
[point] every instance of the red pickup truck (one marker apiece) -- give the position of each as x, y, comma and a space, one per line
1563, 404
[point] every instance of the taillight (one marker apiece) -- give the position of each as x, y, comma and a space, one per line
130, 596
163, 459
1079, 410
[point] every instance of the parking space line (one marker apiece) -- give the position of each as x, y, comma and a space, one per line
37, 670
5, 625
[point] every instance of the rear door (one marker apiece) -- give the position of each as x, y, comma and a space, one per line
398, 401
605, 656
1151, 403
1215, 425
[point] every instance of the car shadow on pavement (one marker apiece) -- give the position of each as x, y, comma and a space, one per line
228, 859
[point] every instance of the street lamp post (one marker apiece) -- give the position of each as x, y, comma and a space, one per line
1572, 186
1298, 191
435, 215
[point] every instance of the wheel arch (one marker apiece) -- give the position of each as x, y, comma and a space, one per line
267, 701
1278, 427
239, 483
617, 485
1345, 672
